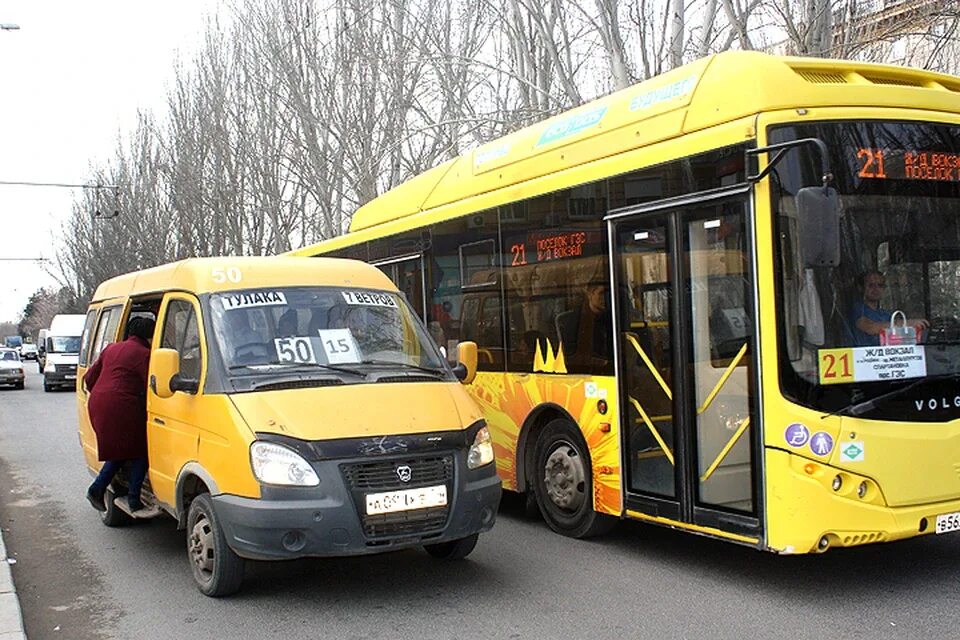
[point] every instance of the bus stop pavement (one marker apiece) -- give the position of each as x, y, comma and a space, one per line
11, 622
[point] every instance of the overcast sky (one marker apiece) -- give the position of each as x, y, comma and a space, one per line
74, 75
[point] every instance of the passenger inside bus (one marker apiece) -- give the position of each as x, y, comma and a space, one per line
586, 333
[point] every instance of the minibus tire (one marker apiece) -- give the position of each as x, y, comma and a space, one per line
205, 540
453, 550
561, 446
113, 516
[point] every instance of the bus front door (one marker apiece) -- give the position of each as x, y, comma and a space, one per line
684, 309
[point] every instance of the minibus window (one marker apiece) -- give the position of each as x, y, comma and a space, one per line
181, 333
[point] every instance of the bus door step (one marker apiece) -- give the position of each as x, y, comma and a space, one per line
148, 512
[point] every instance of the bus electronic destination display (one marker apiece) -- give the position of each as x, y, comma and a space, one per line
903, 164
541, 246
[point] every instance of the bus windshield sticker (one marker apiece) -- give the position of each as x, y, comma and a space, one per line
370, 299
296, 349
868, 364
339, 346
572, 125
253, 299
852, 452
663, 94
821, 443
796, 435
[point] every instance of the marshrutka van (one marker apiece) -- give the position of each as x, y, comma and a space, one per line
62, 342
296, 407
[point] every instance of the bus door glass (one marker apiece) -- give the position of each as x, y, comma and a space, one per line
685, 323
407, 274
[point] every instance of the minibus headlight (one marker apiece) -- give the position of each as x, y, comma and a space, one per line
276, 464
481, 452
52, 368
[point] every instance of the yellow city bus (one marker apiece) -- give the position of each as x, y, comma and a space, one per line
663, 284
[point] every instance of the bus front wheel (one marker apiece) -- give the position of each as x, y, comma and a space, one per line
563, 482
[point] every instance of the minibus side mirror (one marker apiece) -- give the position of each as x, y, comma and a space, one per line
818, 212
166, 369
466, 369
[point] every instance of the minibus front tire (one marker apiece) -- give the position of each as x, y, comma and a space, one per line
217, 570
454, 549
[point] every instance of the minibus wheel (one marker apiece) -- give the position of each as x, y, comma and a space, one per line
114, 515
563, 482
453, 550
217, 570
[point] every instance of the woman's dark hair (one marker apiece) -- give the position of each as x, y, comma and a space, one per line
141, 327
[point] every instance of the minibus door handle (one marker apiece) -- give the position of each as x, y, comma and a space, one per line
159, 421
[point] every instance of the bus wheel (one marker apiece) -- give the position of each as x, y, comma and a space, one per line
453, 550
564, 484
113, 516
217, 570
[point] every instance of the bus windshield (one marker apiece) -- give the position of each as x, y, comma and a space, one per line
869, 300
323, 329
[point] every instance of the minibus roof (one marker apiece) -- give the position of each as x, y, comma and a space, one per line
206, 275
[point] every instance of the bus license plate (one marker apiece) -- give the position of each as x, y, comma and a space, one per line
948, 522
406, 499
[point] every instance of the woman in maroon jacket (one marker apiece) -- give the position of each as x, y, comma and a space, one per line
117, 382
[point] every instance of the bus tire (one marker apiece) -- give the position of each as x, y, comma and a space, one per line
453, 550
563, 482
217, 570
113, 516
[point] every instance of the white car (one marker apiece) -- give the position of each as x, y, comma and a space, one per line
11, 369
28, 351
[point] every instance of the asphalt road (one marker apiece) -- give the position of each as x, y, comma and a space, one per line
79, 579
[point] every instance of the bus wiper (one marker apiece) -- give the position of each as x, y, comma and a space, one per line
860, 408
273, 366
392, 363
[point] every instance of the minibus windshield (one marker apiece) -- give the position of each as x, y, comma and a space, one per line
64, 344
352, 331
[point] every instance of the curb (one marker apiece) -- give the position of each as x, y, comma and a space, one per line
11, 622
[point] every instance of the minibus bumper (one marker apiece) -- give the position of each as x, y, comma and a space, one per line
327, 520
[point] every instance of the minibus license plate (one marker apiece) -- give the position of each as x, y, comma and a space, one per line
406, 499
948, 522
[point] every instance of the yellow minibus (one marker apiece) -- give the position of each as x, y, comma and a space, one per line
295, 408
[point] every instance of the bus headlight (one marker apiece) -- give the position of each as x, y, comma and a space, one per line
276, 464
481, 451
52, 368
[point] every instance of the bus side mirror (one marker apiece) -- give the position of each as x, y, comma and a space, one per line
466, 369
818, 212
166, 368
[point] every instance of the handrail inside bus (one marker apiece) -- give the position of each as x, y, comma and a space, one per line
649, 363
723, 379
726, 449
653, 429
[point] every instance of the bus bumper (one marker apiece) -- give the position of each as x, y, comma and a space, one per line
806, 515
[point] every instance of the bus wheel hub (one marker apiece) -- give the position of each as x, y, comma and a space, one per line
564, 478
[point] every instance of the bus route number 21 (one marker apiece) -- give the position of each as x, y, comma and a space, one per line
836, 365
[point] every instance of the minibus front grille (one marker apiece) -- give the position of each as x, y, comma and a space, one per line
405, 523
383, 475
363, 478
